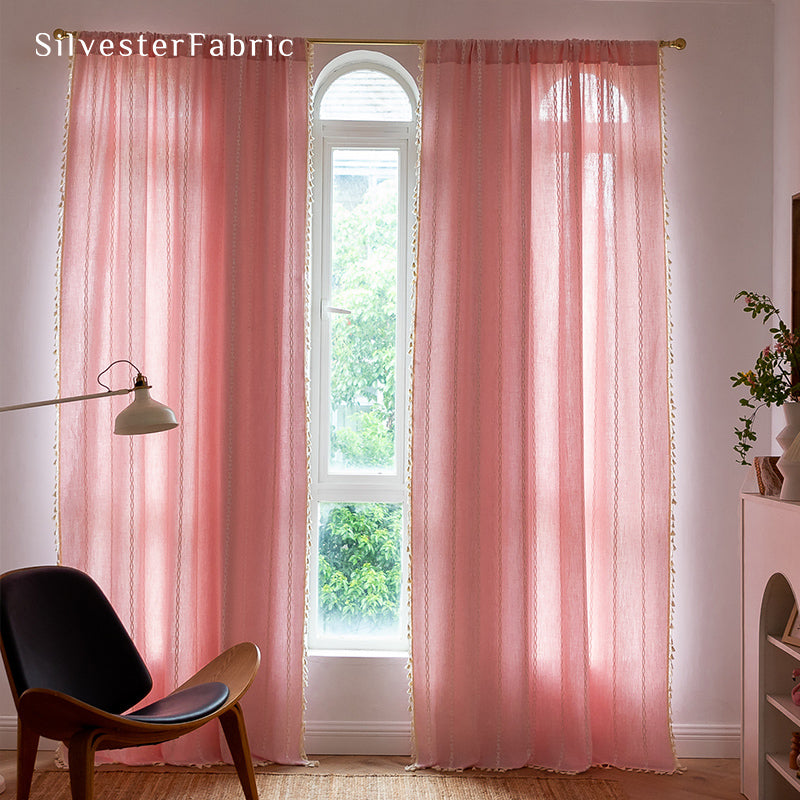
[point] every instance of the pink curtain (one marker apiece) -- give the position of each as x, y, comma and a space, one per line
541, 480
183, 251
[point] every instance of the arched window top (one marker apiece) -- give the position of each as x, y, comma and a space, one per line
365, 86
601, 101
365, 94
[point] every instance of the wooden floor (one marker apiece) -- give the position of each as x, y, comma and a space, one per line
703, 778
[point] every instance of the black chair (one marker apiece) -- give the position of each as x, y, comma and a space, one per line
74, 672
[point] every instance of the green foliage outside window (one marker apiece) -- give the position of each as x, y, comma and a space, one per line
363, 343
360, 567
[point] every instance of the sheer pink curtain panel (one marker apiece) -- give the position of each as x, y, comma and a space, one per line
183, 251
541, 479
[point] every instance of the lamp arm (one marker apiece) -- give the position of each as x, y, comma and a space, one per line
59, 400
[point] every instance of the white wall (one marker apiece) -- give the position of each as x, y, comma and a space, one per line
787, 140
720, 186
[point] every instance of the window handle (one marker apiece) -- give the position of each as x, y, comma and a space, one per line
334, 310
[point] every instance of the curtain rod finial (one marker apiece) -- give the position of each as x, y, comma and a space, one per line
676, 44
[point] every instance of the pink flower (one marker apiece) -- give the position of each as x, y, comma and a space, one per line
788, 344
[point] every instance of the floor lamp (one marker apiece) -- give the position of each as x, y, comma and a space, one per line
142, 415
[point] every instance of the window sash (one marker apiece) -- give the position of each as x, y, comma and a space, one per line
327, 485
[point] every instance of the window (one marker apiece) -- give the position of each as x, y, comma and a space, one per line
364, 158
598, 99
589, 99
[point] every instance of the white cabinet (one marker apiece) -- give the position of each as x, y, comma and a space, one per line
770, 540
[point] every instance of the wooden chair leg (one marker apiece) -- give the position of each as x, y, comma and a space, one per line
27, 748
82, 747
232, 722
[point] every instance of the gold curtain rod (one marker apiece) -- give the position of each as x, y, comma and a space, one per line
676, 44
375, 43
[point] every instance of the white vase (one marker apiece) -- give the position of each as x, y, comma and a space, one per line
789, 462
786, 437
789, 466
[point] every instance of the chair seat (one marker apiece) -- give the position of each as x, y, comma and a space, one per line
184, 705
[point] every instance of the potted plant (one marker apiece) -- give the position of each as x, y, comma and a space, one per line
774, 380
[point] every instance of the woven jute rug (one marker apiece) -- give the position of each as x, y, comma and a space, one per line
144, 785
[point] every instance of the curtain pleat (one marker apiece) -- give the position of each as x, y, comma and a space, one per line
541, 479
184, 237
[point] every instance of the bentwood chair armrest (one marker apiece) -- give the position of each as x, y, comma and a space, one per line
58, 716
236, 667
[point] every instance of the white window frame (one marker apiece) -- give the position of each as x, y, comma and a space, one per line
334, 487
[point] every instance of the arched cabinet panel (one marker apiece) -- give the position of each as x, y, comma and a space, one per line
780, 716
770, 539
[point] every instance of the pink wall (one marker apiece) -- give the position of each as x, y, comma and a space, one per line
720, 185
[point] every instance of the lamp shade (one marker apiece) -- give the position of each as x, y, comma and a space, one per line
144, 415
